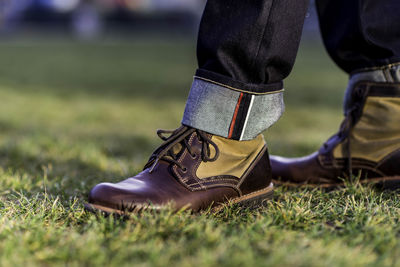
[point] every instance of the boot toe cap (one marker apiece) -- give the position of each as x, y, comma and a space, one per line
298, 170
104, 194
280, 168
114, 196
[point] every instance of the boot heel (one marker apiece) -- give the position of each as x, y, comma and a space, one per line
258, 198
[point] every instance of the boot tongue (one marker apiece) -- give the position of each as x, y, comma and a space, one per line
177, 149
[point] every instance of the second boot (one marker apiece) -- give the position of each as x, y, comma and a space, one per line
367, 144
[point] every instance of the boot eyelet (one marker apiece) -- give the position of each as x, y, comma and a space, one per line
184, 170
194, 156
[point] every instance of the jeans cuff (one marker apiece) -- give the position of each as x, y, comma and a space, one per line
381, 74
233, 84
385, 73
229, 112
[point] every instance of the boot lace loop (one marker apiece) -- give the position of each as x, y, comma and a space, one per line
347, 125
181, 136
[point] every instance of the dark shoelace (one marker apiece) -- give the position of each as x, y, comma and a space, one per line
181, 136
346, 127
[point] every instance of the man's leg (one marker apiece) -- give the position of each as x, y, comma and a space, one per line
363, 38
361, 34
245, 50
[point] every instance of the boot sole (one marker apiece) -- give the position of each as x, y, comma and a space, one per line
389, 183
254, 199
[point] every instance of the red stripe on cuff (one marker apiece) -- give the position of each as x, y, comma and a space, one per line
234, 116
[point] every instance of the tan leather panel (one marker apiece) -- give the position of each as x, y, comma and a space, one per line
234, 159
377, 133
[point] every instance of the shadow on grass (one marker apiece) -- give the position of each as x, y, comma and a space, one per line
91, 160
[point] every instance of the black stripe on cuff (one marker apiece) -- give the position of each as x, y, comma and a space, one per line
241, 116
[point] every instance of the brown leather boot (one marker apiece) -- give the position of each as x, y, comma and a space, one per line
193, 170
367, 144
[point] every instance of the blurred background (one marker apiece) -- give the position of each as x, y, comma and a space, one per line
88, 19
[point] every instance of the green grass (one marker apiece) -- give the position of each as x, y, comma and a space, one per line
76, 114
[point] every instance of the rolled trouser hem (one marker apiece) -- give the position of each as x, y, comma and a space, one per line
231, 112
381, 73
389, 73
230, 83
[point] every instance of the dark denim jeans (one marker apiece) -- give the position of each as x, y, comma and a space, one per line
246, 48
361, 34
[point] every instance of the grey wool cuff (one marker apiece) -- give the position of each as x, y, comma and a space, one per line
230, 112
